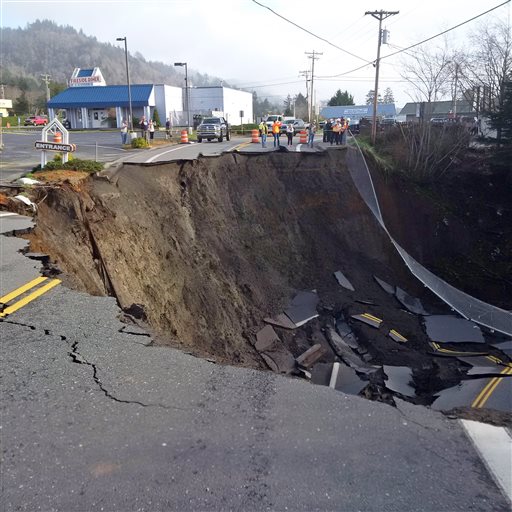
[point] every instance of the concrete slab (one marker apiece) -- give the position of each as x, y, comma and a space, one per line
452, 329
302, 308
385, 286
494, 445
368, 319
280, 320
410, 303
343, 281
398, 379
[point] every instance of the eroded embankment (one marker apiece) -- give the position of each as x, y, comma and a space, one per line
210, 247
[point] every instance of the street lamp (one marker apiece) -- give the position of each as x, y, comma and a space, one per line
130, 121
180, 64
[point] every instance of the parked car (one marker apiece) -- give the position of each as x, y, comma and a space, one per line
36, 121
298, 125
439, 121
213, 128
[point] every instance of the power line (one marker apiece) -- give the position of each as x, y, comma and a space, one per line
309, 32
447, 30
417, 44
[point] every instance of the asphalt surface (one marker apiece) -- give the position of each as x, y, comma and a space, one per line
96, 418
19, 155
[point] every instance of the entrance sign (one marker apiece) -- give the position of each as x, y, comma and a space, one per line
54, 146
60, 141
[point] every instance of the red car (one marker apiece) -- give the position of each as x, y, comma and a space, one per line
36, 121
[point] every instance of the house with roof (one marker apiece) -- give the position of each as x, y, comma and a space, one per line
357, 112
415, 111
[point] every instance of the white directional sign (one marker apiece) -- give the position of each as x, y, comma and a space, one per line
54, 146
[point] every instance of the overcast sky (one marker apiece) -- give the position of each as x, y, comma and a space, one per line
242, 41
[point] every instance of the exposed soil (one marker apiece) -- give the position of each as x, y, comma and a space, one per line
206, 249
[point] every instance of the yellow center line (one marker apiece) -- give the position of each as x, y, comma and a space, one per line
242, 145
22, 289
398, 335
371, 317
488, 389
29, 298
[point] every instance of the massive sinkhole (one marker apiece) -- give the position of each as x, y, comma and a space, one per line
205, 250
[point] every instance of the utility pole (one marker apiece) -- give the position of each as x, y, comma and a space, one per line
47, 79
378, 15
455, 92
306, 74
313, 56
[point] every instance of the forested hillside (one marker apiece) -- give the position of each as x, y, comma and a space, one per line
44, 47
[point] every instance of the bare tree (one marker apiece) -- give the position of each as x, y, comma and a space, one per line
429, 71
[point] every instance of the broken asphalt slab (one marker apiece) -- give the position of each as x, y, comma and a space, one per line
452, 329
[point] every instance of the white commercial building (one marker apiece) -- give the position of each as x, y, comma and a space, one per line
232, 102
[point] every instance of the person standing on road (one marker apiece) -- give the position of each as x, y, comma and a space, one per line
290, 131
144, 128
263, 133
336, 129
151, 130
311, 134
124, 132
276, 132
327, 125
168, 129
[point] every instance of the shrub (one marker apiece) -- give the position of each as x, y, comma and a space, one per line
77, 164
140, 142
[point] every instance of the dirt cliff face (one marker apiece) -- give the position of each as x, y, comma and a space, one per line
210, 247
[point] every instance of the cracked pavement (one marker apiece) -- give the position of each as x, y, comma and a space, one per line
94, 417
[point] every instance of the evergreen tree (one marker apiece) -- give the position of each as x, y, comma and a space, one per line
288, 106
371, 95
388, 96
301, 106
341, 99
20, 105
156, 117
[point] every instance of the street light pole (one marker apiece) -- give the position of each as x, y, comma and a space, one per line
186, 91
130, 121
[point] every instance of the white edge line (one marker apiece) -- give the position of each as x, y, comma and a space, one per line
298, 147
334, 375
494, 446
149, 160
7, 214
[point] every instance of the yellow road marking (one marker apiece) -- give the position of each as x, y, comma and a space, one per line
29, 298
371, 317
489, 388
398, 335
22, 289
242, 145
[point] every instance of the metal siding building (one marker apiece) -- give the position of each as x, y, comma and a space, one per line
204, 100
357, 112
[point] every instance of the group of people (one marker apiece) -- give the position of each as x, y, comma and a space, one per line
335, 131
148, 129
290, 132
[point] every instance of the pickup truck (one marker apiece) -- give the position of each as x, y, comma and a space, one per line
213, 128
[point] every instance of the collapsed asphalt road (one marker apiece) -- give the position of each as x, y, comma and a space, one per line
96, 416
207, 251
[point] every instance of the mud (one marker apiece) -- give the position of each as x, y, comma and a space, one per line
204, 250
